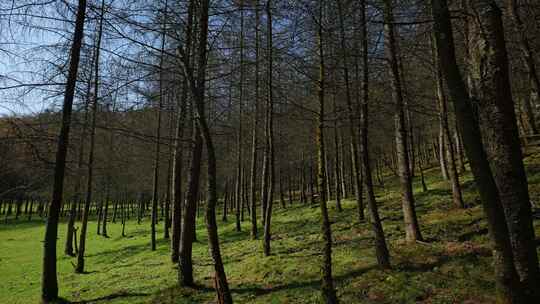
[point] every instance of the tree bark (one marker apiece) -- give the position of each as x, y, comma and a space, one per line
49, 281
506, 276
89, 186
457, 198
354, 145
270, 132
178, 159
185, 265
381, 249
197, 85
528, 59
255, 142
501, 137
412, 228
327, 284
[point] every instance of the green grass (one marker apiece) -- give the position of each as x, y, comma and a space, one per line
454, 266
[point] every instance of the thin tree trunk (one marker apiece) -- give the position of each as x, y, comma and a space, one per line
457, 197
178, 156
185, 265
354, 145
337, 177
528, 59
270, 132
412, 228
68, 250
327, 284
381, 249
198, 87
49, 281
88, 200
155, 185
442, 151
255, 142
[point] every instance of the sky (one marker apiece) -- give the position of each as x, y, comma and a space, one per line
28, 40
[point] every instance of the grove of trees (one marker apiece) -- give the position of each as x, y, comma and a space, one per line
134, 109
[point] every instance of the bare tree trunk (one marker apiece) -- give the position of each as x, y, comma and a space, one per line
327, 284
80, 172
239, 176
529, 60
381, 249
255, 142
270, 132
337, 177
178, 158
197, 84
354, 145
49, 281
185, 265
412, 228
442, 152
501, 137
155, 185
505, 273
88, 200
447, 136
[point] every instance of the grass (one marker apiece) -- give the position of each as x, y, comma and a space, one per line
454, 266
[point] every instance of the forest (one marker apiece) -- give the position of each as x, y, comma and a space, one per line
269, 151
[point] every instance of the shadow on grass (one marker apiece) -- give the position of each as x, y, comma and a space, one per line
21, 223
468, 258
200, 291
125, 252
109, 297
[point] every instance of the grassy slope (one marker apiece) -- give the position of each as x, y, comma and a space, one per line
453, 267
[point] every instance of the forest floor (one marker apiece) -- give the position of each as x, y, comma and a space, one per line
452, 266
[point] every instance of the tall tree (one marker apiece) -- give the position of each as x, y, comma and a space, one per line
351, 114
49, 280
269, 130
447, 140
412, 229
178, 158
68, 250
506, 276
381, 249
255, 141
79, 268
198, 86
528, 56
159, 111
327, 288
239, 176
501, 136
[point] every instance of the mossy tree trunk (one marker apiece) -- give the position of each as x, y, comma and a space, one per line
506, 276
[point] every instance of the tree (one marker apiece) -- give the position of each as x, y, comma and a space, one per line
327, 288
501, 136
381, 249
505, 273
255, 141
447, 140
269, 173
49, 281
197, 86
412, 229
528, 56
351, 115
89, 182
